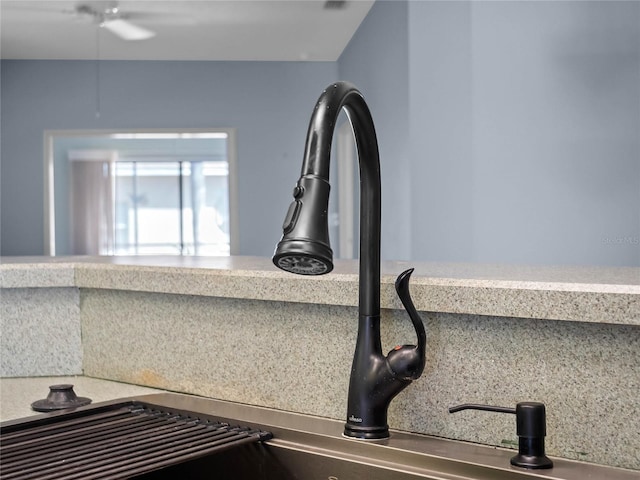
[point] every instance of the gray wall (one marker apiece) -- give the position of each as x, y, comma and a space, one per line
504, 136
376, 60
268, 103
525, 131
507, 137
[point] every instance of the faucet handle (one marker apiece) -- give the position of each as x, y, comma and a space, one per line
407, 361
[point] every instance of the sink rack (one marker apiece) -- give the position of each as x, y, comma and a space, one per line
114, 442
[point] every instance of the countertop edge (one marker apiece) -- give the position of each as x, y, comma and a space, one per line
252, 278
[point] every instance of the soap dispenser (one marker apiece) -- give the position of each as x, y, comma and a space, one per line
530, 428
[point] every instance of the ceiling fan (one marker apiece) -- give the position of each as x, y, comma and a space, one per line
108, 15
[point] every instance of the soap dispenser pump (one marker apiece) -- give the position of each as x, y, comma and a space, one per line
530, 428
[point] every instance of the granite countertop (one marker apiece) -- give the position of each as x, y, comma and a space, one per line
17, 394
586, 294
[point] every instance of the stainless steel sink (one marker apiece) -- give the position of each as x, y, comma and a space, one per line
312, 448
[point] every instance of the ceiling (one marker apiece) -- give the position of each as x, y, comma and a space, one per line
251, 30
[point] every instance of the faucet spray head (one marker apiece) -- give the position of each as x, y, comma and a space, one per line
303, 257
304, 248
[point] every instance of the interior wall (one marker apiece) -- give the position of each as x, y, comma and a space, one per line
522, 142
442, 163
524, 132
268, 103
378, 64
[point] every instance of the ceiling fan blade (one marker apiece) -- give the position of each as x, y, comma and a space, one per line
127, 30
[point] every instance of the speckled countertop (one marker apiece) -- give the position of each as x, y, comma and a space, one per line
222, 328
586, 294
17, 394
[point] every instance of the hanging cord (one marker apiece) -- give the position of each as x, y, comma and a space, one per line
98, 71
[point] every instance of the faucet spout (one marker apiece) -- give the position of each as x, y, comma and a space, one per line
305, 249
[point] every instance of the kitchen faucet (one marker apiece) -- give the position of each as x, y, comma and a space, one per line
304, 249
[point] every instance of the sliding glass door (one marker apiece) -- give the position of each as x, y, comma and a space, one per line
171, 208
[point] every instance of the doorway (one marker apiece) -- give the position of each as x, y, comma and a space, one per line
169, 192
